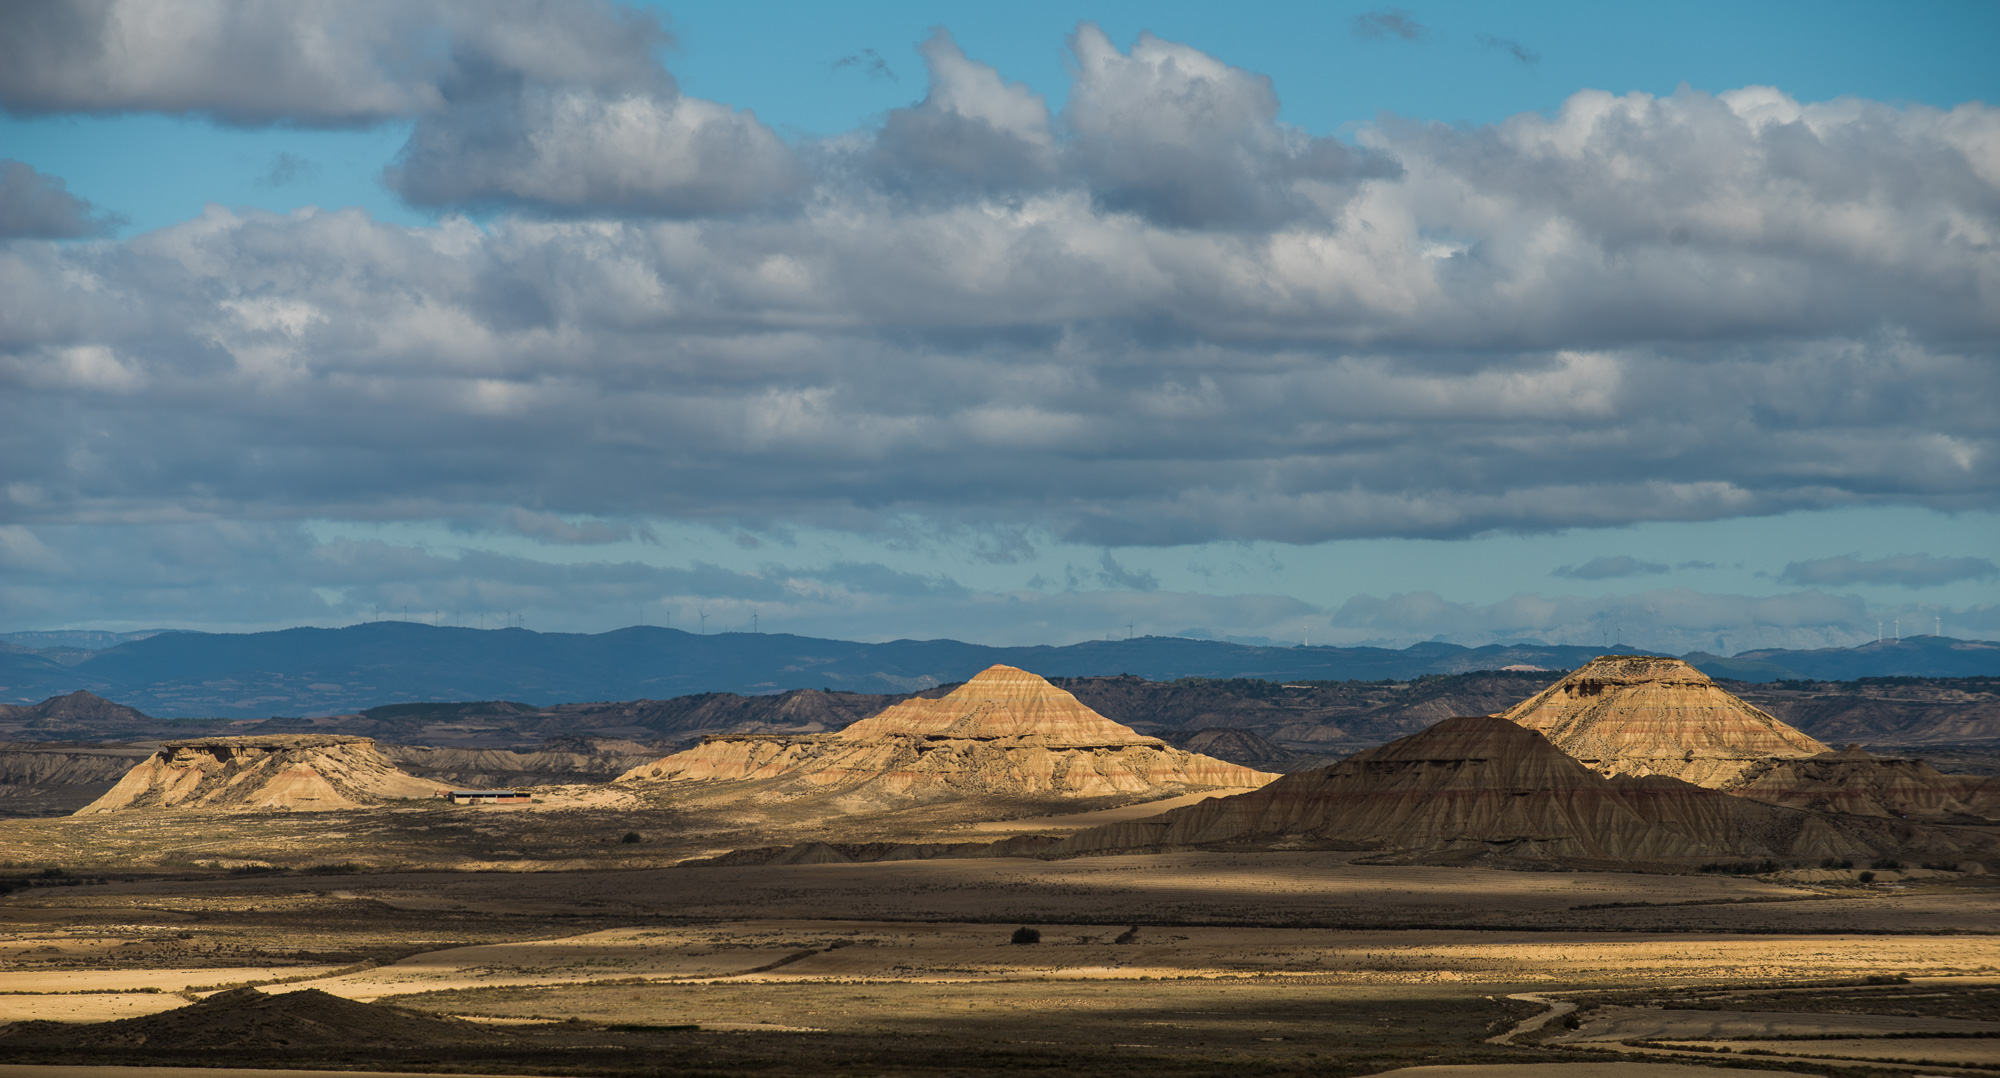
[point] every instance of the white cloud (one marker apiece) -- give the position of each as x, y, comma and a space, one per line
1160, 317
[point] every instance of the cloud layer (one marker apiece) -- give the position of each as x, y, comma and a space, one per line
1901, 571
1158, 316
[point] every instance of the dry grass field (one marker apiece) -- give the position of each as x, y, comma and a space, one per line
1181, 963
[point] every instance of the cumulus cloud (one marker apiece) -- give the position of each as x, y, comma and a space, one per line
580, 150
34, 205
1172, 133
1610, 568
1160, 317
973, 128
316, 63
1899, 570
560, 108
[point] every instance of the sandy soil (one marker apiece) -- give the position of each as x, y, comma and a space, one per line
1651, 1024
39, 1070
1974, 1051
1563, 1070
1304, 888
167, 980
94, 1007
1078, 821
947, 953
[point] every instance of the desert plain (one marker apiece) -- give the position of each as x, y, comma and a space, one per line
742, 923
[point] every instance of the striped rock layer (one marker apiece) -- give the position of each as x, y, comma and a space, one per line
1005, 732
1484, 786
282, 771
1855, 782
1641, 715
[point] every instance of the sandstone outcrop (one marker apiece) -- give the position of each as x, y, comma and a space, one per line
1642, 715
1006, 732
1487, 787
56, 779
1853, 781
277, 771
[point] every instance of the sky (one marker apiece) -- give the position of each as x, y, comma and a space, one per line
1673, 326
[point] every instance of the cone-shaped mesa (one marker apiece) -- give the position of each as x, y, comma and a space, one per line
1645, 715
1002, 702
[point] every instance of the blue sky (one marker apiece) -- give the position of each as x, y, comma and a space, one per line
1369, 322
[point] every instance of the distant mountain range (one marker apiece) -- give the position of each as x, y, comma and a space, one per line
336, 671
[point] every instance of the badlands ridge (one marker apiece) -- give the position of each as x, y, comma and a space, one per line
1006, 732
1627, 760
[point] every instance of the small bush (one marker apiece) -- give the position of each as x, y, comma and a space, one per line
1889, 863
631, 837
1942, 866
1572, 1021
1866, 877
1128, 936
331, 870
1836, 862
1024, 934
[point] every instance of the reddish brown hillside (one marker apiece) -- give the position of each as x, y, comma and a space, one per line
1480, 787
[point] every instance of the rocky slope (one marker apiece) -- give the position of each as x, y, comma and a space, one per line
1487, 787
558, 761
1853, 781
1643, 715
298, 771
1246, 748
1006, 732
1902, 713
57, 779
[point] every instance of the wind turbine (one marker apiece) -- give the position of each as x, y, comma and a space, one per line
703, 614
753, 621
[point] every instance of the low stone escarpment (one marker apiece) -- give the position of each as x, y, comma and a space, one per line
1853, 781
1487, 787
56, 779
276, 771
557, 761
1006, 732
1643, 715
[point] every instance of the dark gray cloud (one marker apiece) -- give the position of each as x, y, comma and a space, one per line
315, 63
1177, 136
1899, 570
1388, 22
38, 206
1527, 56
1163, 317
973, 130
1610, 568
